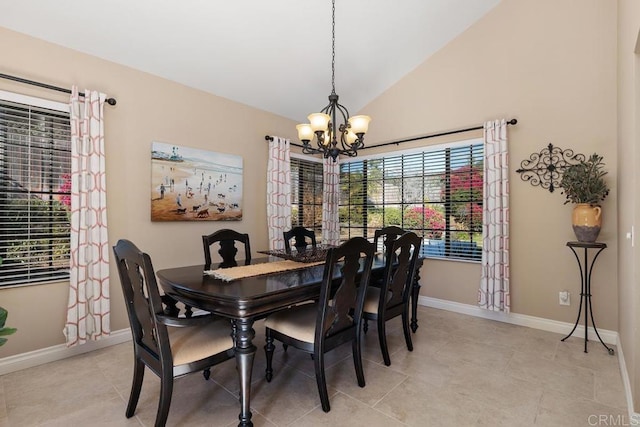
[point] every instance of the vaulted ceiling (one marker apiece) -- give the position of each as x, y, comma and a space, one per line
270, 54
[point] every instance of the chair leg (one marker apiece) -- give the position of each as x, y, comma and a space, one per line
382, 337
405, 328
206, 374
136, 386
166, 389
318, 362
269, 348
356, 349
285, 347
365, 325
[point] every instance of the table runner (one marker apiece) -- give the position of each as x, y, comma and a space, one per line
242, 271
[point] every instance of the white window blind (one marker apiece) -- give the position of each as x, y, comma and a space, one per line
435, 193
306, 194
35, 188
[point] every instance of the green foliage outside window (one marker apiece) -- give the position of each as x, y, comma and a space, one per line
48, 228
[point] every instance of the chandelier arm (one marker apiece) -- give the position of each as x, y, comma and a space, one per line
326, 109
344, 127
344, 112
308, 149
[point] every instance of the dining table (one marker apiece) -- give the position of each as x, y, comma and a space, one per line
244, 296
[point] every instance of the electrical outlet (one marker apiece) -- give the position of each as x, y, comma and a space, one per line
564, 298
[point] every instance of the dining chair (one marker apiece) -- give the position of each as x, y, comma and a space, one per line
382, 239
334, 320
393, 297
300, 234
226, 239
168, 345
388, 234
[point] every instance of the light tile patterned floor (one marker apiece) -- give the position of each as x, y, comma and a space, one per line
464, 371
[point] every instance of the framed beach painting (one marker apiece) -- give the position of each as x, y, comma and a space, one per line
188, 184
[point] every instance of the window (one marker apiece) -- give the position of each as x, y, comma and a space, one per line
435, 193
35, 190
306, 194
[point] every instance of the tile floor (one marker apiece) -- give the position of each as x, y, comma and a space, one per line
464, 371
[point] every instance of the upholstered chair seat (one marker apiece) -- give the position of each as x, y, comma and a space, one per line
198, 342
297, 322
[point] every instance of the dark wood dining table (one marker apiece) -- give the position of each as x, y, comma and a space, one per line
249, 299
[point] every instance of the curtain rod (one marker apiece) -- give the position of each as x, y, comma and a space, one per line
432, 135
270, 138
110, 101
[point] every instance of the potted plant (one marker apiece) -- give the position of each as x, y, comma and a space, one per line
3, 330
584, 185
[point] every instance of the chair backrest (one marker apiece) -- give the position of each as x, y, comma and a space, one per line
400, 271
300, 234
341, 300
389, 235
143, 302
226, 238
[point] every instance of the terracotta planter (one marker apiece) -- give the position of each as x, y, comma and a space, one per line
587, 220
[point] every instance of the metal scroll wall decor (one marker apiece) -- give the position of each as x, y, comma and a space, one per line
545, 168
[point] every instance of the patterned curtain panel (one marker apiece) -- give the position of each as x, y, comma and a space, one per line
330, 201
278, 191
88, 309
494, 284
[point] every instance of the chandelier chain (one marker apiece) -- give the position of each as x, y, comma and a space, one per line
333, 139
333, 47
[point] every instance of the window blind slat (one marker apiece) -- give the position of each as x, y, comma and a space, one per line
35, 163
436, 193
306, 194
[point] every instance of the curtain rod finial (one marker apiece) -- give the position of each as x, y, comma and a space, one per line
512, 122
268, 138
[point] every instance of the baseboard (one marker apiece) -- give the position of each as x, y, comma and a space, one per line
609, 337
58, 352
627, 385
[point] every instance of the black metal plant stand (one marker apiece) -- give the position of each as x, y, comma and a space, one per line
585, 292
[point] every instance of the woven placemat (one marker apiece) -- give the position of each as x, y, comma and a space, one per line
242, 271
308, 255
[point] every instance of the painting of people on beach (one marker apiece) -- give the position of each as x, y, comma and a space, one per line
188, 184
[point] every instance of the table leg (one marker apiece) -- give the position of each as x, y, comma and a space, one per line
245, 353
415, 293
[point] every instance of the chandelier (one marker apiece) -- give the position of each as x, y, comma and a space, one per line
324, 126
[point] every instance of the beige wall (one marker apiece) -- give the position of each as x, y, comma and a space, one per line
552, 65
149, 109
628, 200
